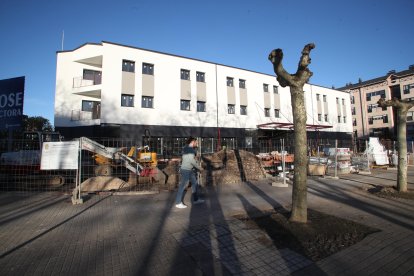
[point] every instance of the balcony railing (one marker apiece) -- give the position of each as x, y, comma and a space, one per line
81, 82
79, 115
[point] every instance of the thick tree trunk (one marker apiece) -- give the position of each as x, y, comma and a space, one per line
402, 107
296, 83
299, 193
402, 150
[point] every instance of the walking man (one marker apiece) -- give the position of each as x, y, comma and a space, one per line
188, 170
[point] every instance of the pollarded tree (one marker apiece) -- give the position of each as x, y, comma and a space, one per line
402, 108
296, 82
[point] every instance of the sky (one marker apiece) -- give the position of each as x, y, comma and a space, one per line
354, 38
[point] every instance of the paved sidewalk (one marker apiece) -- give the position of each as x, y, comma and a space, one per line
44, 234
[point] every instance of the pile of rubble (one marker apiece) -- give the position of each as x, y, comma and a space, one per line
220, 168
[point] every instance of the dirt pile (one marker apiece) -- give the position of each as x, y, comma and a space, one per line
231, 166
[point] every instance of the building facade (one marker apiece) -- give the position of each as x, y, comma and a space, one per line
370, 120
113, 90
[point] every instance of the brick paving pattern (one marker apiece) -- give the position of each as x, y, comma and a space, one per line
44, 234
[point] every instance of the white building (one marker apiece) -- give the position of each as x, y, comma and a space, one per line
113, 90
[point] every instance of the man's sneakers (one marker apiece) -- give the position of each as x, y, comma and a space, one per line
181, 205
198, 201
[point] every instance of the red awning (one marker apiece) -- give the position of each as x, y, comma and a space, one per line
289, 126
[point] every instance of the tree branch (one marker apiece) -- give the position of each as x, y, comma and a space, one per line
397, 103
283, 77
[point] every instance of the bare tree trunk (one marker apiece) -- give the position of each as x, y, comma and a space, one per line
299, 193
402, 109
296, 83
402, 150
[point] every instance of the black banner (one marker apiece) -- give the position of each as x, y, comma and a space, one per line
11, 103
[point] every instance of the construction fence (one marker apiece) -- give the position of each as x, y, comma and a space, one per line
122, 165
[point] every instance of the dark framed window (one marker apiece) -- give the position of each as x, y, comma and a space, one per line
243, 110
147, 69
277, 113
339, 119
275, 89
127, 100
242, 83
185, 74
230, 109
201, 106
326, 117
352, 99
370, 120
185, 105
230, 82
385, 119
95, 76
353, 110
147, 102
319, 117
201, 77
267, 112
265, 87
128, 66
354, 122
88, 105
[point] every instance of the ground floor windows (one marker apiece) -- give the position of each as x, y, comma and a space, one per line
201, 106
185, 105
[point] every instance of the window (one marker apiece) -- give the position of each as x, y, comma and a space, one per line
148, 69
242, 84
185, 105
370, 120
277, 113
354, 122
385, 119
265, 87
337, 100
324, 98
200, 76
319, 117
406, 88
275, 89
128, 66
326, 117
368, 96
229, 82
88, 105
243, 110
339, 119
409, 116
201, 106
267, 112
95, 76
352, 100
344, 119
147, 102
230, 109
127, 100
370, 108
317, 97
343, 101
185, 74
353, 110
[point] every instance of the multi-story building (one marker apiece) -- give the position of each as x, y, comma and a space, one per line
368, 119
112, 90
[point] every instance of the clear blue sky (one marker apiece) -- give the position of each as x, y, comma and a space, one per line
354, 39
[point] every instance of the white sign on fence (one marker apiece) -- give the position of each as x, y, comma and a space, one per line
60, 155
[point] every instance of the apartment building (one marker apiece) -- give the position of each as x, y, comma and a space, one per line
111, 90
370, 120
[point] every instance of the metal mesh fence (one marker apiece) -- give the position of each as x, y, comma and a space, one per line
20, 162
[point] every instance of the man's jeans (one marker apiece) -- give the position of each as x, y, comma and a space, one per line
185, 176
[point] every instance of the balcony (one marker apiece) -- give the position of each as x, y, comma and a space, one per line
79, 115
90, 87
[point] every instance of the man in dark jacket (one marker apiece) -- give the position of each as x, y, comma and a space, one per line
187, 173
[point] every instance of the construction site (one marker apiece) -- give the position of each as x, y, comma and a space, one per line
44, 162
